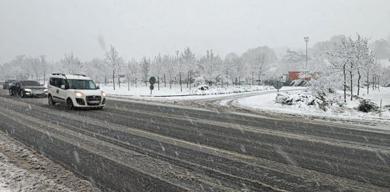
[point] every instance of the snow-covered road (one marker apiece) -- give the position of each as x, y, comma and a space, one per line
163, 147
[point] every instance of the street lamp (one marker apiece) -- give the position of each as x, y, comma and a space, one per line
306, 41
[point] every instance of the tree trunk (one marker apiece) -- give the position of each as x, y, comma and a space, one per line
158, 83
345, 84
170, 81
379, 82
188, 77
44, 77
190, 74
368, 83
165, 82
351, 83
358, 83
113, 78
119, 81
252, 79
128, 83
181, 88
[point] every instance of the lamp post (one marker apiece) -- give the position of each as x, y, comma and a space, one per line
306, 41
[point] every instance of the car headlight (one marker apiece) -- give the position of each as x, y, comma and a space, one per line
79, 94
103, 93
45, 90
27, 90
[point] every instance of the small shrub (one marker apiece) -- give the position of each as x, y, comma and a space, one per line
367, 106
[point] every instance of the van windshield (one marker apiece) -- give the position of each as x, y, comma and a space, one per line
81, 84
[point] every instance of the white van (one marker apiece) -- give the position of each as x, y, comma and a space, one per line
75, 90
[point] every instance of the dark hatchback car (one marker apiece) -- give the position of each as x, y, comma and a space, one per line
28, 89
8, 83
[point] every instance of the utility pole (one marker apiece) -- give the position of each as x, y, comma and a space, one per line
306, 41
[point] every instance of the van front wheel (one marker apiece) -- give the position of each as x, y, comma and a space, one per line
50, 101
69, 104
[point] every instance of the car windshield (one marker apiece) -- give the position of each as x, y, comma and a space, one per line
30, 83
81, 84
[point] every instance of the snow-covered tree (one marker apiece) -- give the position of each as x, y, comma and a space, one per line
113, 59
382, 48
145, 69
72, 64
209, 67
259, 60
339, 58
233, 67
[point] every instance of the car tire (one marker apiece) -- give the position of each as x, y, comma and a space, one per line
51, 101
21, 94
11, 93
69, 104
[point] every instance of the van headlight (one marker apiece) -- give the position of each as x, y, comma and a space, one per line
45, 90
79, 94
27, 90
103, 94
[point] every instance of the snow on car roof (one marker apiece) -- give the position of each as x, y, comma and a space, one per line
70, 76
77, 77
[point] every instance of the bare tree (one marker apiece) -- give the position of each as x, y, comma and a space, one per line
258, 60
339, 58
72, 64
113, 59
145, 67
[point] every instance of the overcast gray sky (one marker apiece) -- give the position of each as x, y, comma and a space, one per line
148, 27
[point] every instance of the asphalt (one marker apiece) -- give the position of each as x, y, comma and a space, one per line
144, 146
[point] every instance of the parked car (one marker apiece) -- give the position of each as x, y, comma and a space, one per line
76, 91
7, 84
27, 88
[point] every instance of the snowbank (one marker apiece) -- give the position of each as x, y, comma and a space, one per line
175, 92
306, 104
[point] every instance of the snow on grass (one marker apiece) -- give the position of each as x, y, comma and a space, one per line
175, 93
378, 95
266, 102
4, 186
14, 178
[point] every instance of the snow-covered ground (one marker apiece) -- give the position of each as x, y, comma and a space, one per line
175, 93
23, 170
266, 102
376, 96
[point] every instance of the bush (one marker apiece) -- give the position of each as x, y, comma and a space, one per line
283, 98
367, 106
319, 100
203, 87
292, 99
